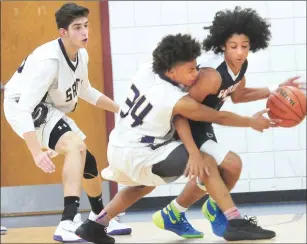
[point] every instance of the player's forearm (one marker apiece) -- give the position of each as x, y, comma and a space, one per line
108, 104
253, 94
206, 114
32, 142
232, 119
184, 131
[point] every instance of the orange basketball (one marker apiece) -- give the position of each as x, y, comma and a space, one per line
287, 103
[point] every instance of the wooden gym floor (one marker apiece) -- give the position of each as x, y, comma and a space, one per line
289, 228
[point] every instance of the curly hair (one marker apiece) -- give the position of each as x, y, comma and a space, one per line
246, 21
175, 49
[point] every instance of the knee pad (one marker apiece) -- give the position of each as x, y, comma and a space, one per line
90, 167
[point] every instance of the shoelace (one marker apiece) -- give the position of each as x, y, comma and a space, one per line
252, 220
183, 220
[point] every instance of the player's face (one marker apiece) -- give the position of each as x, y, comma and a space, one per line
184, 73
236, 49
78, 32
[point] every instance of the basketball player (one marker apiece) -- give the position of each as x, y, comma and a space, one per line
142, 152
233, 34
42, 91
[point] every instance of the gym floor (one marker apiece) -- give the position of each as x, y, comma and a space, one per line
288, 220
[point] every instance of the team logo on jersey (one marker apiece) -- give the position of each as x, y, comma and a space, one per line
39, 115
226, 92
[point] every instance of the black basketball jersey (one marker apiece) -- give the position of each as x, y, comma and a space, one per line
216, 101
228, 85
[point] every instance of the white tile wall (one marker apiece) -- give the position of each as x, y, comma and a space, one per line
241, 186
290, 163
278, 31
273, 160
300, 54
299, 8
147, 13
304, 183
300, 30
261, 165
282, 58
276, 184
280, 9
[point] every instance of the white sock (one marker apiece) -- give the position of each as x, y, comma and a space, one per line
178, 207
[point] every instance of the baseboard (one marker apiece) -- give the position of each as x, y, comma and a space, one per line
153, 203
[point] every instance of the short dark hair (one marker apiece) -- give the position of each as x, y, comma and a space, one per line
246, 21
68, 13
175, 49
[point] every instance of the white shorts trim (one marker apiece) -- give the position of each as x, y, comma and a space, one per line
216, 150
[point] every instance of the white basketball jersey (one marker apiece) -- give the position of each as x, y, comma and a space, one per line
146, 115
64, 89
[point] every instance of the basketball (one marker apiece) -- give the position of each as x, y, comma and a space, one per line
287, 103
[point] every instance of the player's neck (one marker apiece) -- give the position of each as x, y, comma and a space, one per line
70, 50
235, 69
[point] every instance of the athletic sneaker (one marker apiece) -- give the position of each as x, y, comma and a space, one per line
92, 231
114, 227
215, 216
246, 229
65, 231
172, 220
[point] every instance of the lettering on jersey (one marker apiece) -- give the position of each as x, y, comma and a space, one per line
134, 106
224, 93
72, 91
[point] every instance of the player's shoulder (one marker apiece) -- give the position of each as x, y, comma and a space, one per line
48, 50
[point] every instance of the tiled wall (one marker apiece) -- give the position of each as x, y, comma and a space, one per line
273, 160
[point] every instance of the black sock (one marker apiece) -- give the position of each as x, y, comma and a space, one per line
71, 205
96, 204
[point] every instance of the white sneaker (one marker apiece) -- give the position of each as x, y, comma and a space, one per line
114, 227
65, 231
3, 230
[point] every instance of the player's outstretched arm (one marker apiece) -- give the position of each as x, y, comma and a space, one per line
108, 104
193, 110
245, 94
37, 85
95, 97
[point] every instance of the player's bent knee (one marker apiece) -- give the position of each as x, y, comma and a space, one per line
90, 167
210, 161
69, 142
232, 163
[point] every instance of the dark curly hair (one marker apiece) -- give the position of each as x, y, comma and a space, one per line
175, 49
246, 21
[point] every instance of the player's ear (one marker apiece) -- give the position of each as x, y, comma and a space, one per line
170, 73
223, 47
63, 32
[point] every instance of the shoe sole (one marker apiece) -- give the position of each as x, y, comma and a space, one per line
245, 236
120, 232
84, 237
60, 239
